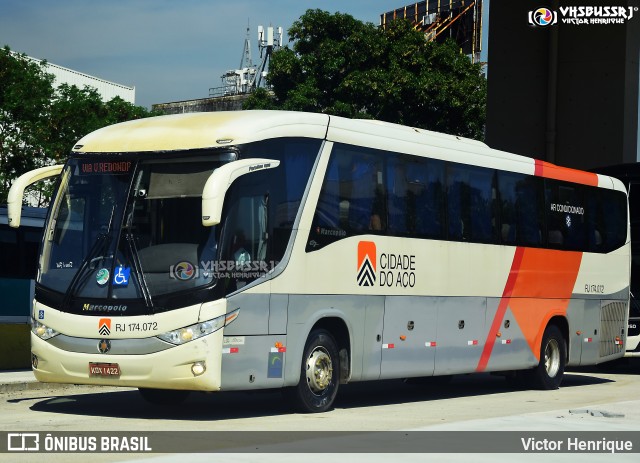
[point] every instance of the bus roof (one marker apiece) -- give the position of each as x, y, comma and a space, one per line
201, 130
192, 131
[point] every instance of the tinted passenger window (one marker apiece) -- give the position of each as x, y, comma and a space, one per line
520, 209
368, 191
564, 203
606, 213
470, 197
353, 198
287, 183
415, 192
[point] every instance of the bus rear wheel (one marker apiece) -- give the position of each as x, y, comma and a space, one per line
319, 375
163, 396
553, 359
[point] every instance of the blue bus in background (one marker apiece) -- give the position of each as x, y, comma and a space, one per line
18, 263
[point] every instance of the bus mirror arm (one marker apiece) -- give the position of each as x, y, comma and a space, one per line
16, 192
221, 179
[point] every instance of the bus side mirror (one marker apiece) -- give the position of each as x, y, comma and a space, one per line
14, 200
219, 182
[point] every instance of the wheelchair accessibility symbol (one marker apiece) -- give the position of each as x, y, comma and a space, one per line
121, 276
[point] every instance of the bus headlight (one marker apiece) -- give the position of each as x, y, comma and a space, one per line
198, 330
41, 330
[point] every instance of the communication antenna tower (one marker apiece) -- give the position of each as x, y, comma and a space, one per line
268, 43
248, 76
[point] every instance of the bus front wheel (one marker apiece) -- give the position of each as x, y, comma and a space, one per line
319, 376
553, 358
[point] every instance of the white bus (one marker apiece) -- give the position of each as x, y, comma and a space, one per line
257, 249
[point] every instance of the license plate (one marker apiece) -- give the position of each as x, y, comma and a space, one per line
104, 369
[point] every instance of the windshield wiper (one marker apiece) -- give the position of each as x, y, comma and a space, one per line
137, 268
95, 254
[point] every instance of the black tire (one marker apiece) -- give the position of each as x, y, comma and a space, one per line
319, 374
163, 396
553, 359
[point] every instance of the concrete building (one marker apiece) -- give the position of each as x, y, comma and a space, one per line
211, 104
106, 89
563, 81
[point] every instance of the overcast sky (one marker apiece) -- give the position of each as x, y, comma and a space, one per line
170, 50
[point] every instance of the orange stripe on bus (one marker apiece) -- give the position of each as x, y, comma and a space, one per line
502, 308
547, 274
543, 290
539, 287
548, 170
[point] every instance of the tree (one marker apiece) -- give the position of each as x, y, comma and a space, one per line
341, 66
39, 124
25, 92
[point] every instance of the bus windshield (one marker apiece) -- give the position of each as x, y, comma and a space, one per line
129, 229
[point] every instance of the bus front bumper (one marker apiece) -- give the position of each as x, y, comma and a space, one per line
195, 366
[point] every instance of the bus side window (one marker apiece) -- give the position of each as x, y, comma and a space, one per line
402, 200
363, 188
457, 203
470, 203
614, 213
328, 209
565, 215
430, 220
520, 209
482, 215
352, 200
415, 199
595, 220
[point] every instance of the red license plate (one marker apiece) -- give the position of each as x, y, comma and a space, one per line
104, 369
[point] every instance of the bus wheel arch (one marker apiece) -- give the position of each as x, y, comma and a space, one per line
338, 328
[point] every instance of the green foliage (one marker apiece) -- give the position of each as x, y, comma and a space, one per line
40, 124
25, 92
341, 66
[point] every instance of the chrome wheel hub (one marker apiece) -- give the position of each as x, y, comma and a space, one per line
319, 370
552, 358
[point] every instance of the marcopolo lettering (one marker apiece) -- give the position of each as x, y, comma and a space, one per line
104, 308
